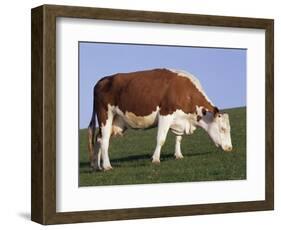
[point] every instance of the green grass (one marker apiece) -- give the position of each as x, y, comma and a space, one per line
130, 157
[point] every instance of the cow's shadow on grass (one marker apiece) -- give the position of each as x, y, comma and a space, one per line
164, 157
140, 159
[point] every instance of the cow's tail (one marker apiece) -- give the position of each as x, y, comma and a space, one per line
91, 135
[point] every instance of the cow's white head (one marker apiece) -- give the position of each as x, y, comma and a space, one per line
218, 127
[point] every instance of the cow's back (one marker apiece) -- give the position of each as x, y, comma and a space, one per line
141, 92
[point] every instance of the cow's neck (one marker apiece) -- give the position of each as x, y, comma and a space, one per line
200, 101
206, 121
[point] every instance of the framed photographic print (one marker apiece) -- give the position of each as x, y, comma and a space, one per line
140, 114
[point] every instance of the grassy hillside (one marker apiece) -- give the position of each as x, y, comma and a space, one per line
130, 157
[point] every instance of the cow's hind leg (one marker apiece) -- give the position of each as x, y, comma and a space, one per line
178, 154
97, 153
105, 136
164, 124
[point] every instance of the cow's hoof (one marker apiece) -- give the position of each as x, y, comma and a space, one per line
179, 157
155, 161
108, 168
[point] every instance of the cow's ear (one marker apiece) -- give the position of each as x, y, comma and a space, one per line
215, 111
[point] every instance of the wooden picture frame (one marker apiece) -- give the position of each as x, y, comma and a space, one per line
43, 189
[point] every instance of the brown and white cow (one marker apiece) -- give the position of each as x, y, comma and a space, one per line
172, 100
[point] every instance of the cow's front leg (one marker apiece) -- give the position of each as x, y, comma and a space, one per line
104, 144
178, 154
164, 124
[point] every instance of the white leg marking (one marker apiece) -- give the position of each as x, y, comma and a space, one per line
178, 153
164, 124
106, 132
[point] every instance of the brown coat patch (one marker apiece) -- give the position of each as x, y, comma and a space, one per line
141, 92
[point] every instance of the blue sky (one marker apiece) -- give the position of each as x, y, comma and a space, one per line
222, 72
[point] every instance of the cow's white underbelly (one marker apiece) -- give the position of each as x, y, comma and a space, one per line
182, 123
138, 122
